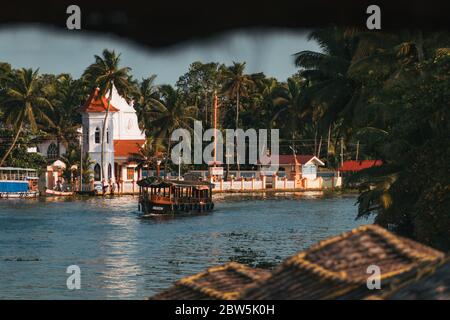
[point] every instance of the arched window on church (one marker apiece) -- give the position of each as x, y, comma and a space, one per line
109, 171
97, 172
97, 135
52, 151
107, 136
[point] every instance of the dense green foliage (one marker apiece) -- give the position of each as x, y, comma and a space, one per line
372, 95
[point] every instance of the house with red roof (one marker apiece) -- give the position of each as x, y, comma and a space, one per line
355, 165
294, 167
123, 137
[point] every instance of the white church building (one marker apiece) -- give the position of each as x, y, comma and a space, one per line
123, 137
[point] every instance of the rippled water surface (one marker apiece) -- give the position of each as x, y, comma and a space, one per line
124, 257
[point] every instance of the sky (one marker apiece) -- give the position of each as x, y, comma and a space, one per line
55, 51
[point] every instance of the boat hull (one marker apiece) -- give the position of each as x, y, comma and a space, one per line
155, 208
19, 195
53, 193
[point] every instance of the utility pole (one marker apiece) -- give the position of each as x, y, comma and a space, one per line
342, 151
179, 167
329, 139
357, 150
215, 127
81, 162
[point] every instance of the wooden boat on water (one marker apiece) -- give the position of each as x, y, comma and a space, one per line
54, 193
18, 183
158, 196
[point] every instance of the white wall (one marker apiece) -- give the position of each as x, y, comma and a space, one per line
43, 147
125, 121
91, 121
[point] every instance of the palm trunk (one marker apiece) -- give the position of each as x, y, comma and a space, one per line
237, 124
102, 156
166, 160
420, 51
419, 46
328, 143
13, 144
206, 108
315, 141
237, 109
58, 152
320, 147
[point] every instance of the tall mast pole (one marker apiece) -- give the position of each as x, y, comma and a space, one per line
215, 127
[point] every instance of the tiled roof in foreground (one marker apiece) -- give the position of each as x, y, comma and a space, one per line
337, 267
222, 282
429, 283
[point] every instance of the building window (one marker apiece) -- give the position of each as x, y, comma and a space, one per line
109, 171
130, 173
52, 151
107, 135
97, 135
97, 172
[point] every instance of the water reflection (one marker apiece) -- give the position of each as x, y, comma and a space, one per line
123, 256
121, 266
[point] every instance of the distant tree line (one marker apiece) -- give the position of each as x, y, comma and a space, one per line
382, 95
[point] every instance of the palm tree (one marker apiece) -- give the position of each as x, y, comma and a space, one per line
72, 159
105, 73
24, 104
145, 98
330, 90
169, 113
5, 71
66, 98
148, 154
236, 84
259, 112
86, 172
289, 107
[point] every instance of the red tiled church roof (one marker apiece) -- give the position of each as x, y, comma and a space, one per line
97, 104
123, 148
353, 165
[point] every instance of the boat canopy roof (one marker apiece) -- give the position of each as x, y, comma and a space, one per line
16, 169
155, 182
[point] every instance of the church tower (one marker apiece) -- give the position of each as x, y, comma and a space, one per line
123, 139
93, 116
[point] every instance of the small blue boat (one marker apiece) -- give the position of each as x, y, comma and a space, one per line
18, 183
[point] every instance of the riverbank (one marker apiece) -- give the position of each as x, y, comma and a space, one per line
337, 191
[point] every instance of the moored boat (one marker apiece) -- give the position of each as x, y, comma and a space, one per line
157, 196
18, 183
55, 193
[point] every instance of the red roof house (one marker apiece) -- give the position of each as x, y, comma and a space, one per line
292, 166
353, 165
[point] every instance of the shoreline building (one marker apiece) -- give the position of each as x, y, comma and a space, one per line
123, 137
